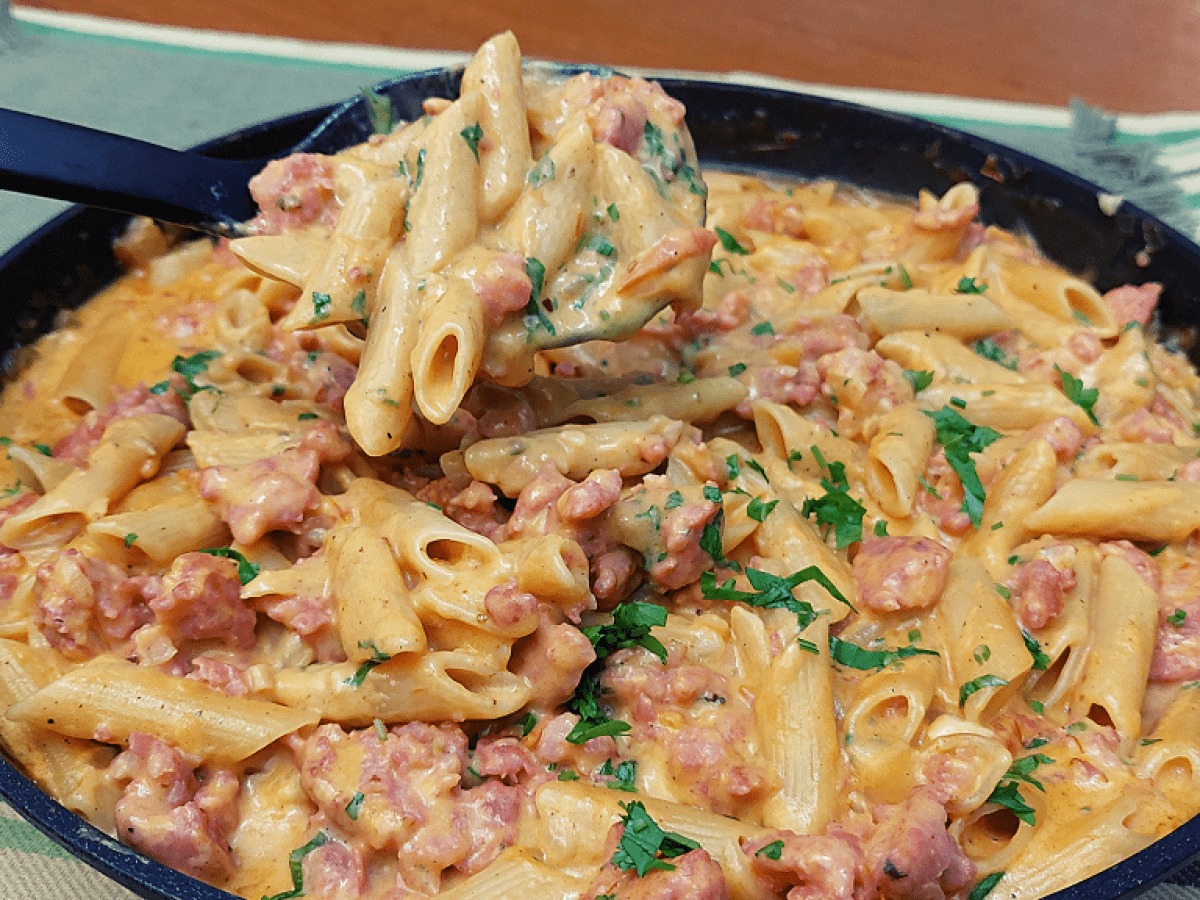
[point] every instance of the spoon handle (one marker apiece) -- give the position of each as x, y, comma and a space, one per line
83, 165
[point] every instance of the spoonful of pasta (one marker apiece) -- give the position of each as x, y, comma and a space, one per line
535, 211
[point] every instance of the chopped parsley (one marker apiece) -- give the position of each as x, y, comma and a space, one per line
960, 438
906, 281
733, 467
978, 684
969, 286
758, 510
1007, 792
653, 515
191, 366
837, 511
982, 654
358, 303
757, 467
772, 591
360, 674
379, 108
786, 286
355, 805
613, 213
985, 886
710, 538
597, 242
420, 169
630, 627
674, 500
644, 846
246, 570
623, 776
537, 276
737, 369
307, 417
730, 243
712, 493
1003, 591
1177, 618
762, 328
919, 379
43, 449
852, 656
527, 723
296, 866
473, 134
773, 850
321, 304
1084, 398
1041, 662
130, 539
881, 528
542, 172
989, 349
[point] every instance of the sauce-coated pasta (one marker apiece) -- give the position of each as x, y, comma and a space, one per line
865, 569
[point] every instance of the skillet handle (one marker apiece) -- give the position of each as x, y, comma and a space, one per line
69, 162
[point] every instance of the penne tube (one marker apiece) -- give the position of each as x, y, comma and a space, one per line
897, 457
1137, 511
963, 316
494, 73
341, 286
574, 450
375, 612
179, 524
1012, 407
129, 451
946, 357
87, 383
111, 697
379, 402
1022, 487
1122, 621
973, 615
797, 730
448, 350
72, 770
700, 401
432, 687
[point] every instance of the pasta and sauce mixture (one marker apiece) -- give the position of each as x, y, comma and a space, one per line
329, 568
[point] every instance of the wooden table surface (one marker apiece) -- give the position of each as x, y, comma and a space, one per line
1122, 55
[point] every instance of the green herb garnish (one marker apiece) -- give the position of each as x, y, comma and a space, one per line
644, 845
246, 570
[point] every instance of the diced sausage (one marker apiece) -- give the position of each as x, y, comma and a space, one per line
902, 572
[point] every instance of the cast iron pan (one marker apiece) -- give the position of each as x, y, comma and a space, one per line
69, 259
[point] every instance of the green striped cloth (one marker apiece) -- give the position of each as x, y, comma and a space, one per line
179, 87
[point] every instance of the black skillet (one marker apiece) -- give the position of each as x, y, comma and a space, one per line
799, 136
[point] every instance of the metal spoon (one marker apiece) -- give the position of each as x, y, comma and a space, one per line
49, 158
